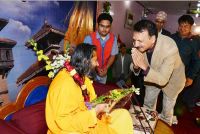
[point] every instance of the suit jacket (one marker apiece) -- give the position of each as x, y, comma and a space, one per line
167, 71
165, 32
188, 49
117, 66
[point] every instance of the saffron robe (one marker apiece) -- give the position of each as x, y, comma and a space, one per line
66, 112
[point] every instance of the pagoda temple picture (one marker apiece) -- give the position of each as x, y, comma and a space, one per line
44, 21
48, 39
6, 63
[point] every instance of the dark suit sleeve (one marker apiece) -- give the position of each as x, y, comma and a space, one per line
129, 63
195, 61
165, 32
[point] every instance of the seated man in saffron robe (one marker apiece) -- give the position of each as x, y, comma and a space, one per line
68, 107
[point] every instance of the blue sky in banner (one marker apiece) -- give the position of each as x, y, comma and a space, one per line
25, 19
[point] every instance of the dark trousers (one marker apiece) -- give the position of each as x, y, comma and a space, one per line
121, 77
138, 82
191, 94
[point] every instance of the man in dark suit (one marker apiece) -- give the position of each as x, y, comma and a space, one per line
188, 46
121, 67
160, 21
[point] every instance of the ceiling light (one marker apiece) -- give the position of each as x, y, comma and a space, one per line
198, 5
127, 3
111, 13
197, 15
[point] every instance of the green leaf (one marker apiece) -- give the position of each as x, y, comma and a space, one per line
152, 119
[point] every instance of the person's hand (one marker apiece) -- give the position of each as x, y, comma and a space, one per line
138, 59
188, 82
100, 108
99, 71
102, 72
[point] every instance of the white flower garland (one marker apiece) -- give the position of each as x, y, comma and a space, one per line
57, 62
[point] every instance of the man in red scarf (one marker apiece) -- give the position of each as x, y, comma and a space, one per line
106, 44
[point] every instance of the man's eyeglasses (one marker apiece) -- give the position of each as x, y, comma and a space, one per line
104, 26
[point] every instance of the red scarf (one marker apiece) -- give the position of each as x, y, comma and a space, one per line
78, 80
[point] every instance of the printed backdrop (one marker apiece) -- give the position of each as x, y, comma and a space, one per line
25, 19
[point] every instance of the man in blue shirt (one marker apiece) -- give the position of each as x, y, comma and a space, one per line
188, 48
106, 44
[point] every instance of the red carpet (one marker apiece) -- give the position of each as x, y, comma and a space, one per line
186, 121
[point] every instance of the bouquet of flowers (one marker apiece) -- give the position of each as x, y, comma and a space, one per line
115, 96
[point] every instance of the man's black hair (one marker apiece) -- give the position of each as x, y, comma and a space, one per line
186, 19
122, 45
146, 25
104, 16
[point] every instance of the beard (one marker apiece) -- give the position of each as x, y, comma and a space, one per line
92, 73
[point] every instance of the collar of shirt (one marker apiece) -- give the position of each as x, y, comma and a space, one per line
151, 50
103, 42
160, 31
99, 37
150, 53
122, 56
186, 38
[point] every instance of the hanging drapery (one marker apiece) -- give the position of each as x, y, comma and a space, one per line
80, 24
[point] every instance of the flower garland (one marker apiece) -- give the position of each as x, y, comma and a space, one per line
54, 65
60, 61
77, 79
